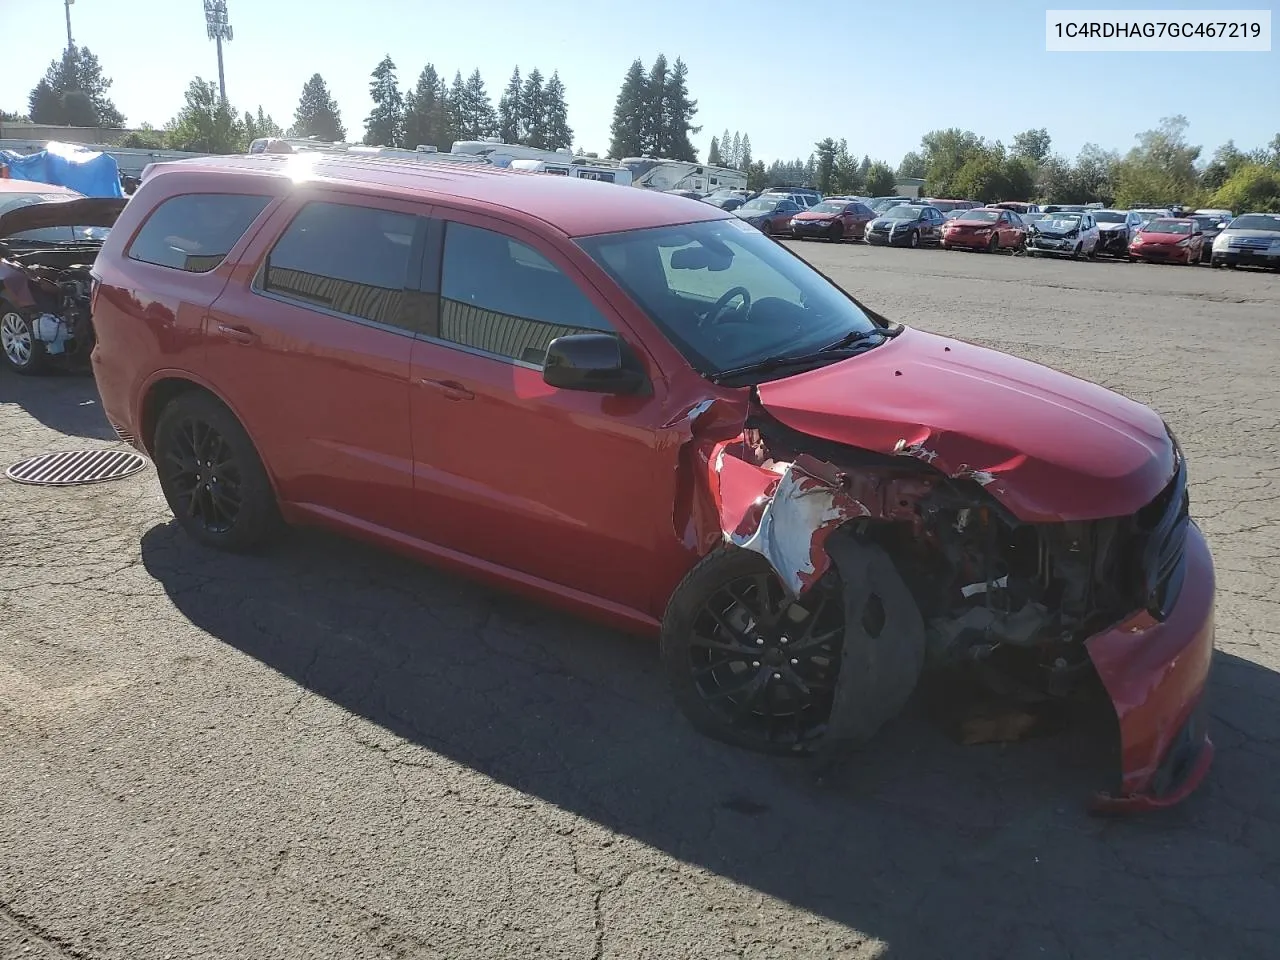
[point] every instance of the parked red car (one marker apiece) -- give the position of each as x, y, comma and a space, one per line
1168, 240
833, 220
984, 228
644, 410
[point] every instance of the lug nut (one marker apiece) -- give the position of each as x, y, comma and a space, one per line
794, 662
755, 663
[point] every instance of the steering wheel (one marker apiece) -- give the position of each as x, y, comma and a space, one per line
713, 315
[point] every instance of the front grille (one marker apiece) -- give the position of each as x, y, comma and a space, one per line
1248, 243
1159, 544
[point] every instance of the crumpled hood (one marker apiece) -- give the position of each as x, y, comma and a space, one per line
1048, 446
1056, 228
85, 212
1111, 227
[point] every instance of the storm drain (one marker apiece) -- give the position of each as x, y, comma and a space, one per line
80, 466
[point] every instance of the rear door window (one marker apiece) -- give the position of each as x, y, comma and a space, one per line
194, 232
348, 259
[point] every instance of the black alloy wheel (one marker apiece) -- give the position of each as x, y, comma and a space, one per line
746, 664
993, 245
211, 475
836, 233
913, 239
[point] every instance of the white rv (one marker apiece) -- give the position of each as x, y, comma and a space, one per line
582, 171
658, 174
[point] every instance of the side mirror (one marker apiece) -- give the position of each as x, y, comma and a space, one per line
591, 362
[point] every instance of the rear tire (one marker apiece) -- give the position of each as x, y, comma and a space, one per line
22, 352
212, 476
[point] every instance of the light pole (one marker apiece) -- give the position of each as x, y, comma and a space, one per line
215, 19
70, 43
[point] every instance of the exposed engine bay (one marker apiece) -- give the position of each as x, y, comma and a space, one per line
46, 284
933, 571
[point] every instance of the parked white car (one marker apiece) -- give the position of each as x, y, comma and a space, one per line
1067, 233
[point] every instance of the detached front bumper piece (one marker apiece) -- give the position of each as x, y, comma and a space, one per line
1155, 673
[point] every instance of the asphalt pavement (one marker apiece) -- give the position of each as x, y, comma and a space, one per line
331, 752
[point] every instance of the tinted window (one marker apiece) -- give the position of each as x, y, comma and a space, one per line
196, 231
352, 260
503, 297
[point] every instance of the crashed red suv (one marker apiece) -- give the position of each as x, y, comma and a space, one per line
645, 410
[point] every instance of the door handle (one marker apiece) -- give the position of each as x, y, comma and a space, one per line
237, 334
450, 388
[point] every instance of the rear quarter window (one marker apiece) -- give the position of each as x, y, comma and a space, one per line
194, 232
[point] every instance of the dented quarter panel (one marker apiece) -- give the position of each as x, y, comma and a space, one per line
1155, 673
15, 285
1048, 446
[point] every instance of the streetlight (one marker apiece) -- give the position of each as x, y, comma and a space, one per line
70, 44
219, 27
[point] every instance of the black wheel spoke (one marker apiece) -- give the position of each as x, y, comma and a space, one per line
739, 650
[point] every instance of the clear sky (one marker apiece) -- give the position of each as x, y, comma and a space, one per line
878, 74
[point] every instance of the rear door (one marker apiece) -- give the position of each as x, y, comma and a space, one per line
311, 345
559, 484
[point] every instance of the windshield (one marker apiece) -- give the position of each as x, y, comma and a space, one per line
761, 204
903, 212
725, 294
1108, 216
884, 203
1207, 223
987, 216
948, 205
1256, 221
1064, 220
1161, 225
828, 206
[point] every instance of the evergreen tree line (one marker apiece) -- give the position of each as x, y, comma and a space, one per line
654, 114
532, 110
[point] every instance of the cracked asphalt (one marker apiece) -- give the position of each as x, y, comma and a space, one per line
331, 752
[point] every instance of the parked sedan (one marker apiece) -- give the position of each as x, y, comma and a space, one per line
906, 225
984, 228
769, 213
1168, 240
725, 201
637, 408
833, 220
1116, 229
1251, 239
1065, 234
1211, 226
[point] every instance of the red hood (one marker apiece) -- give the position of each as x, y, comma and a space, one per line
1048, 446
81, 212
1150, 235
814, 215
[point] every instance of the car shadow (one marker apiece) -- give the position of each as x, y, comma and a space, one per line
65, 401
934, 848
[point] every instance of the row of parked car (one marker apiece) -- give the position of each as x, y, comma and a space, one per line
1150, 234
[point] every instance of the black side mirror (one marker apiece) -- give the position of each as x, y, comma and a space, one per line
591, 362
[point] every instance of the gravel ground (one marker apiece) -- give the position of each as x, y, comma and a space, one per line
329, 752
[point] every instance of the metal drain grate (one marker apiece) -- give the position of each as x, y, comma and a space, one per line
80, 466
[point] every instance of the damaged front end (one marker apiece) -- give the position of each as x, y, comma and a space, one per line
46, 283
931, 568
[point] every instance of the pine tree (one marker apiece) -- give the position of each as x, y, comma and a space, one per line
384, 127
726, 149
559, 133
458, 107
77, 75
736, 160
655, 134
679, 112
626, 135
744, 153
260, 126
511, 109
713, 153
534, 101
426, 115
478, 109
317, 113
205, 124
864, 169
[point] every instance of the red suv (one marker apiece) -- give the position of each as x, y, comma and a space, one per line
645, 410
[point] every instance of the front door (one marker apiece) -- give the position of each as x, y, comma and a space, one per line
312, 345
563, 485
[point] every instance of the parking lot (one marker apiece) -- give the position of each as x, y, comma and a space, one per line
330, 752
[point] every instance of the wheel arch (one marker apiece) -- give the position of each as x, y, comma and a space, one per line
166, 387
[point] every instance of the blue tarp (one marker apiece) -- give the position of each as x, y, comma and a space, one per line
86, 171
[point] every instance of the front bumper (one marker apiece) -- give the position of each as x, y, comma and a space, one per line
1248, 258
1162, 253
1155, 673
970, 241
1052, 246
1113, 243
814, 228
897, 239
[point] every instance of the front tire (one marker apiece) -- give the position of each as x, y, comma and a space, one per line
742, 669
836, 233
913, 239
993, 245
212, 476
23, 353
